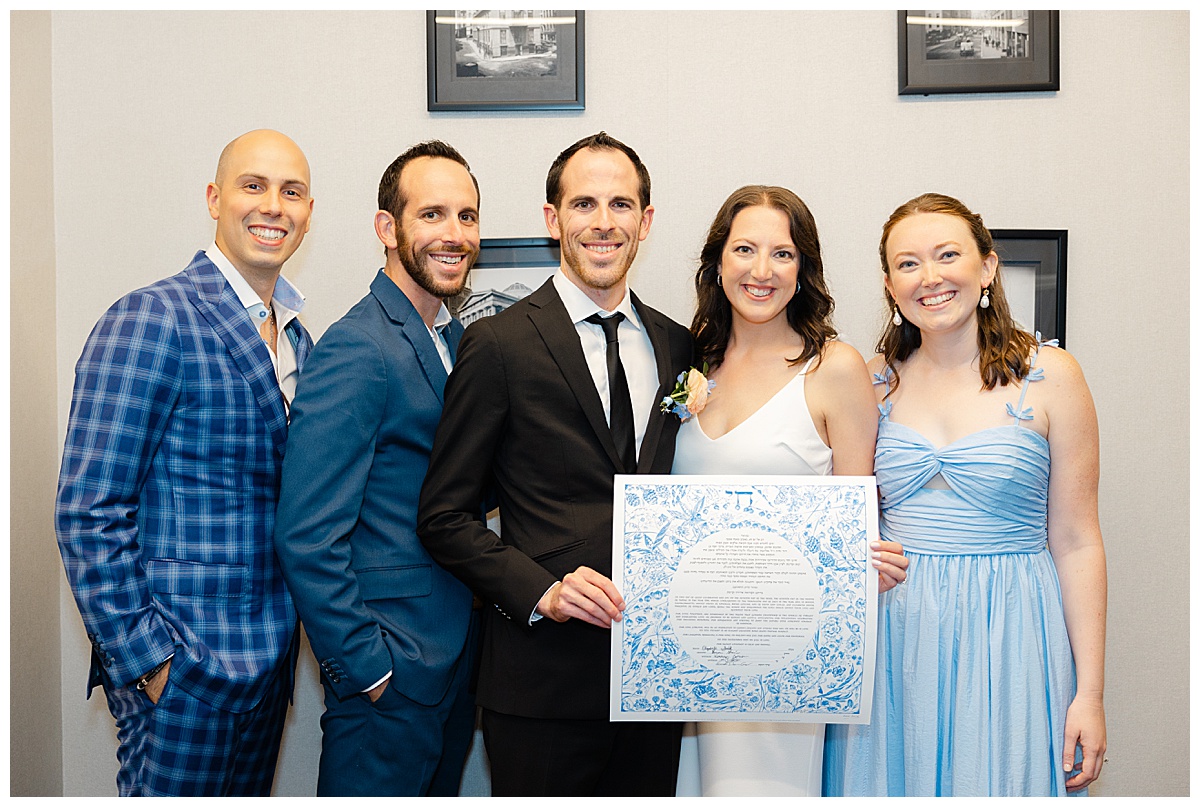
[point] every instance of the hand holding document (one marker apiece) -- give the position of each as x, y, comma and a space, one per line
746, 598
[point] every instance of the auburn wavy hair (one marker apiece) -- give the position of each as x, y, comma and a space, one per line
809, 312
1004, 349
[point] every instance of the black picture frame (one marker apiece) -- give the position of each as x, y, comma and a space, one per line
1033, 67
1045, 253
463, 72
507, 270
516, 253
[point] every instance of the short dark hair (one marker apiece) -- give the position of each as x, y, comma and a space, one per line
390, 198
810, 310
599, 142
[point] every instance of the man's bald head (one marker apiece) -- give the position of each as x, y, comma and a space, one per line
268, 138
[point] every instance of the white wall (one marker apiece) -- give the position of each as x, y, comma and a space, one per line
143, 102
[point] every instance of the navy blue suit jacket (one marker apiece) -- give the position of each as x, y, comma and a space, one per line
167, 494
370, 597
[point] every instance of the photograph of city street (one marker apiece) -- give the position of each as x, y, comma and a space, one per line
511, 44
976, 34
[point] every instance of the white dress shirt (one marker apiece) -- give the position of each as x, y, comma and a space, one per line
637, 354
440, 323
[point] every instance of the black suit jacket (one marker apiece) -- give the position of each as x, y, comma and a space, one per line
522, 413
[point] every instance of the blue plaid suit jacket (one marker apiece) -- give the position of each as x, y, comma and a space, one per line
167, 493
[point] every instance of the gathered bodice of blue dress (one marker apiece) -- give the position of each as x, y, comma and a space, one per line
995, 500
995, 491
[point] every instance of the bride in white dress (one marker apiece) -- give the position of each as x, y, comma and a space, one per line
789, 399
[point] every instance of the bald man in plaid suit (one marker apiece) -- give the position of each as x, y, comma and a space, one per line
169, 482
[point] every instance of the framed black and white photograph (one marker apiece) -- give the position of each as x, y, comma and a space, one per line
1034, 268
507, 270
502, 60
977, 51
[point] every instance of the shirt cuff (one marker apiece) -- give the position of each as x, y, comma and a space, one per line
380, 681
535, 616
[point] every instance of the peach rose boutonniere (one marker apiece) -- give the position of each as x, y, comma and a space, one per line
690, 395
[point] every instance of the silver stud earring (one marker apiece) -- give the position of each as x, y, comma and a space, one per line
984, 301
896, 319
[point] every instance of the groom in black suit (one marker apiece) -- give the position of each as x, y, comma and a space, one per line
548, 400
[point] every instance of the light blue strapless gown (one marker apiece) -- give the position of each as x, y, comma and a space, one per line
975, 671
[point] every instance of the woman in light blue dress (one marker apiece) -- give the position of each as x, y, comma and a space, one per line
789, 399
991, 674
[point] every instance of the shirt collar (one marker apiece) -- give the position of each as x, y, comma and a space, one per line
287, 298
579, 306
442, 319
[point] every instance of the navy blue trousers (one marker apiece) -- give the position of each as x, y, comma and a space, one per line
396, 746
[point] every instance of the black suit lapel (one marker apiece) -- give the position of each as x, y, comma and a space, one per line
657, 330
550, 317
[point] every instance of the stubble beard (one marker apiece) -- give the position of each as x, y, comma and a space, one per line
602, 279
417, 269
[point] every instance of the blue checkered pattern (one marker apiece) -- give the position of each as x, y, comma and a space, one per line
184, 747
167, 494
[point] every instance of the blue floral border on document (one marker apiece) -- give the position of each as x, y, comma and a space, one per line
663, 521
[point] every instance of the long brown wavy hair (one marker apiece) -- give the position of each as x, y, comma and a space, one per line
1004, 349
810, 310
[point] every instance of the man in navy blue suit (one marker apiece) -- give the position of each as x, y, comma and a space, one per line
169, 482
390, 628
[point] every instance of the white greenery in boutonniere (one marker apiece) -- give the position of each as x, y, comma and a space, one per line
691, 393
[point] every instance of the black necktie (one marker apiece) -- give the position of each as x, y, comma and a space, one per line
620, 408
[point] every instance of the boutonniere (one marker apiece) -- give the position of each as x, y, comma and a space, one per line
690, 395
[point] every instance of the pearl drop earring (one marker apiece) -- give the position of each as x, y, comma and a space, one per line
896, 319
984, 301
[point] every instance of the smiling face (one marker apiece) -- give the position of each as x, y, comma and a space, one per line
261, 203
759, 265
436, 237
935, 272
599, 222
